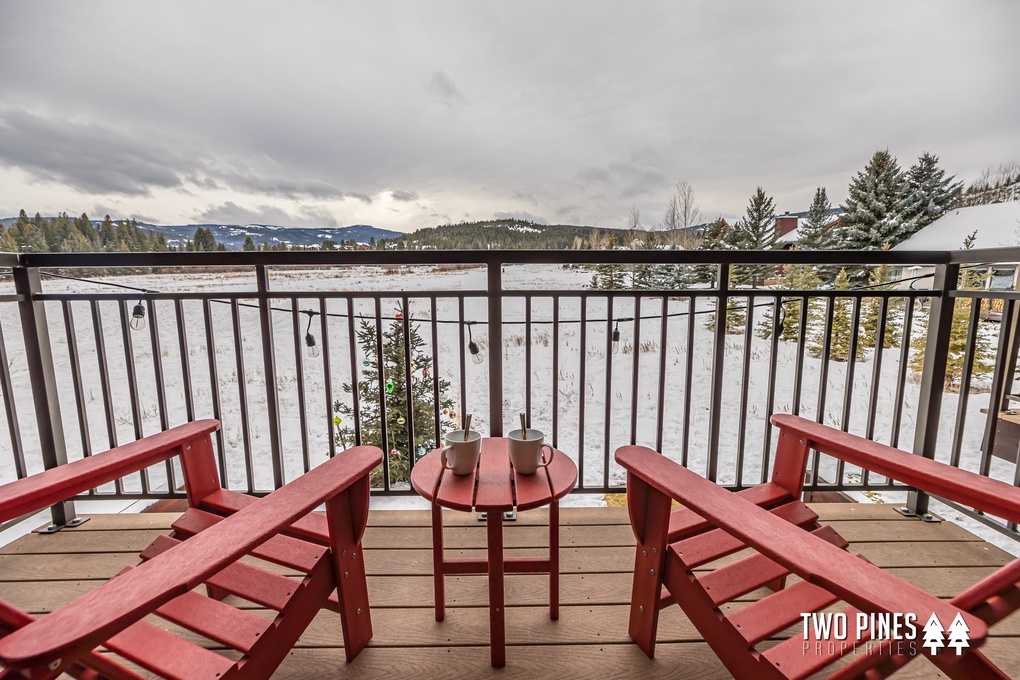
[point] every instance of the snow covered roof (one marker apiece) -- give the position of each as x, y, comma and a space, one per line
997, 225
791, 236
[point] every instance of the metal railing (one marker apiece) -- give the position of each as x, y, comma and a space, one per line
692, 372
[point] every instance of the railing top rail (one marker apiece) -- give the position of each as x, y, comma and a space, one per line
496, 257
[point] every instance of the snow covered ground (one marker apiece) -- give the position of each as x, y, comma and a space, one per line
397, 281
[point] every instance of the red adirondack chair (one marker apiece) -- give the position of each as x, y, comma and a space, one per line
787, 540
207, 543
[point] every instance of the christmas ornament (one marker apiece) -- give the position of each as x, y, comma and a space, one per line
390, 387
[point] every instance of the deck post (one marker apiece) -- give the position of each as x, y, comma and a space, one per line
718, 364
39, 358
933, 378
495, 298
269, 365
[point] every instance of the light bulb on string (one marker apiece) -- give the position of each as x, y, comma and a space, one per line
476, 354
616, 338
313, 349
138, 317
781, 326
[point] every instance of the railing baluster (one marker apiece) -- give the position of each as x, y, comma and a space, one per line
355, 387
802, 339
527, 359
770, 399
327, 372
132, 385
242, 392
608, 415
76, 382
876, 375
745, 378
965, 376
582, 392
299, 376
848, 384
901, 374
997, 400
436, 397
11, 411
104, 383
214, 387
635, 370
555, 370
660, 413
689, 377
384, 435
269, 366
408, 387
718, 365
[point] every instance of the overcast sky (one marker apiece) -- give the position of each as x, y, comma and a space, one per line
413, 114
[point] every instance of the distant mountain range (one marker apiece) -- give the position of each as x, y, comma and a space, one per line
233, 235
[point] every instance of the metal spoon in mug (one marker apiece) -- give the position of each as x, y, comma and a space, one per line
467, 426
524, 428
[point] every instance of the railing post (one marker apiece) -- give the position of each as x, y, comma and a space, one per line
495, 296
933, 378
39, 358
269, 365
718, 364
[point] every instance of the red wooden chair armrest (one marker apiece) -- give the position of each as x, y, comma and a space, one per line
98, 615
52, 486
974, 490
854, 580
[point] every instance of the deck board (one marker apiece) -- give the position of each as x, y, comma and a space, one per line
39, 573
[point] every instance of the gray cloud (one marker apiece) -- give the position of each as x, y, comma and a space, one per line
443, 88
231, 213
482, 107
400, 195
88, 157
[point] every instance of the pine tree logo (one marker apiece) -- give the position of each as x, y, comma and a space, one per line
933, 634
959, 634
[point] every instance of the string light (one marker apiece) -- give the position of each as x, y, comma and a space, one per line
476, 354
616, 337
138, 317
313, 349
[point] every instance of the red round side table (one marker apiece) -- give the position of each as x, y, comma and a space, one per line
494, 488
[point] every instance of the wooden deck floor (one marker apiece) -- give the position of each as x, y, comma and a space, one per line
590, 640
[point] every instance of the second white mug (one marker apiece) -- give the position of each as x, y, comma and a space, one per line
526, 452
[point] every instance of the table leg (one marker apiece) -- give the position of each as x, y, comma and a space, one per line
554, 560
497, 619
437, 561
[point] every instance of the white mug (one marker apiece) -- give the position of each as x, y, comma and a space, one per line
461, 454
526, 453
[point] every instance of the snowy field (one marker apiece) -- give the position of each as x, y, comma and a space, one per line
572, 391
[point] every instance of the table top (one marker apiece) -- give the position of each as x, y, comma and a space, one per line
494, 486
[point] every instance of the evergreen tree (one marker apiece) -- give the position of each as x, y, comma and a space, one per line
870, 314
802, 277
984, 354
816, 229
107, 234
249, 244
7, 244
756, 231
929, 194
394, 350
718, 236
873, 207
842, 330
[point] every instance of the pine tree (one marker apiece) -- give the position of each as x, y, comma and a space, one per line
756, 231
393, 373
249, 244
929, 194
816, 230
841, 332
984, 354
718, 236
871, 308
7, 244
795, 277
873, 207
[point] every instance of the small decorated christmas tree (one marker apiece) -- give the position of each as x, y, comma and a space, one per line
398, 446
